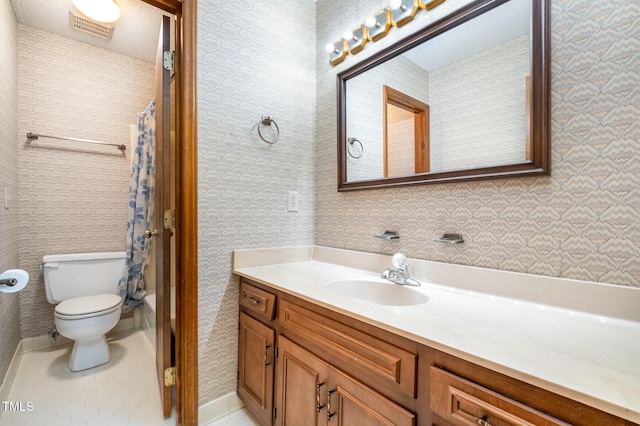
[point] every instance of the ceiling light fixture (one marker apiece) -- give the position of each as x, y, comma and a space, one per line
99, 10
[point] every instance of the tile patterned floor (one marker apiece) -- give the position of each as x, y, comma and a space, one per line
237, 418
121, 392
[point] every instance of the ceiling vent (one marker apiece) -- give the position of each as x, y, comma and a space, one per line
89, 26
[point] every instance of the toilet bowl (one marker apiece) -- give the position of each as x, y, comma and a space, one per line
86, 320
83, 286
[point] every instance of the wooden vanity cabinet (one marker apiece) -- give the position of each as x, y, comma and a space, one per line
331, 369
311, 392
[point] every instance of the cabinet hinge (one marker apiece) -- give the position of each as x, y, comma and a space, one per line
167, 60
169, 219
170, 376
276, 349
275, 410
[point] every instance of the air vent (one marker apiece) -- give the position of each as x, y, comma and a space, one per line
88, 26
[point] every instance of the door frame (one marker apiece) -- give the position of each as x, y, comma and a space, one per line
186, 333
421, 132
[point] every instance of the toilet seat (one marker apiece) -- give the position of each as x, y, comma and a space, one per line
88, 306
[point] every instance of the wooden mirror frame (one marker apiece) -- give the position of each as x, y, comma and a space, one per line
539, 159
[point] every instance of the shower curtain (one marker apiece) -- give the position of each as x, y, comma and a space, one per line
141, 190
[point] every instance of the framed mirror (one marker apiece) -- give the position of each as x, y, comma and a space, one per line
467, 97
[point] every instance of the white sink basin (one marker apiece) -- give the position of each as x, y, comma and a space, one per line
377, 292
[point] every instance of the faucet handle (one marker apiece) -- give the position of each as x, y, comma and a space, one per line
399, 261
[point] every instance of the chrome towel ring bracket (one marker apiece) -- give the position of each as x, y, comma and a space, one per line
355, 148
266, 122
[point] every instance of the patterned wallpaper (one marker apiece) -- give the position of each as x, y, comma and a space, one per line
255, 58
9, 303
73, 197
365, 111
582, 222
478, 108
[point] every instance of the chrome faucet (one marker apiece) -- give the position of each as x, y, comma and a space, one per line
400, 275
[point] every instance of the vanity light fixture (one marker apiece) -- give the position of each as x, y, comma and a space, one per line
378, 25
337, 51
104, 11
429, 4
375, 27
403, 11
356, 39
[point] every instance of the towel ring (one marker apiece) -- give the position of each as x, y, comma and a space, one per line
353, 147
268, 121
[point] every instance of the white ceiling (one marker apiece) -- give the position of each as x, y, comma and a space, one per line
135, 34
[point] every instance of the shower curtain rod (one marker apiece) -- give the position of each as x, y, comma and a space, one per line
33, 136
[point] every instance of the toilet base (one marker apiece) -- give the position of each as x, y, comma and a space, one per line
89, 353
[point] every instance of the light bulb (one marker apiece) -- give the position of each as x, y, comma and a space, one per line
395, 4
102, 11
348, 35
371, 22
329, 48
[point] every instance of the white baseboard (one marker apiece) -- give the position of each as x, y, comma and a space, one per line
214, 410
10, 375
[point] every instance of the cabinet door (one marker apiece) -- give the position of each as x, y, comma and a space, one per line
255, 367
300, 386
350, 402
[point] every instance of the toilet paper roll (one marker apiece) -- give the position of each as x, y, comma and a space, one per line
13, 280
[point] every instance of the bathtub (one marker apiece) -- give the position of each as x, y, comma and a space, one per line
149, 316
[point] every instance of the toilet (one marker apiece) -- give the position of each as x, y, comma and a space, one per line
84, 288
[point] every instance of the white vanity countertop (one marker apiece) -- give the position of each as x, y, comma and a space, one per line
578, 339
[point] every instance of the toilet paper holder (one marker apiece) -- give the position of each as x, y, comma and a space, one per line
9, 282
13, 280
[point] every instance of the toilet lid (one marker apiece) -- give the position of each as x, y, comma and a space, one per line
88, 304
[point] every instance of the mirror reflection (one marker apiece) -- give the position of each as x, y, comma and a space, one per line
457, 101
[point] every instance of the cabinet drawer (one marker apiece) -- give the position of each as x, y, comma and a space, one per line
464, 403
381, 365
257, 300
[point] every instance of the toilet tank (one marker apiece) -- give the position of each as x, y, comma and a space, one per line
67, 276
